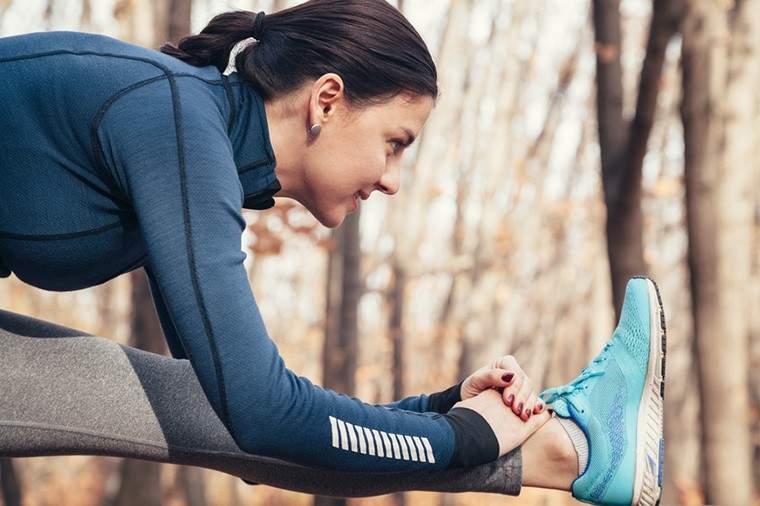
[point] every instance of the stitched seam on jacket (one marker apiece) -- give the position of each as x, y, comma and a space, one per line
264, 129
231, 100
190, 252
97, 149
98, 118
54, 237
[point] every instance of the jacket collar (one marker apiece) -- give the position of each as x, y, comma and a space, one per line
252, 148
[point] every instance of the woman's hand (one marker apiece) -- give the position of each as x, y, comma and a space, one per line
505, 375
510, 430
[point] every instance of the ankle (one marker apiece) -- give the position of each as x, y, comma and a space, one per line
549, 458
560, 448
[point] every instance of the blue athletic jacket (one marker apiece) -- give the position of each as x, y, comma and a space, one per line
114, 156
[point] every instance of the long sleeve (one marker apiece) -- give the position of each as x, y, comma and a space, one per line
438, 402
167, 325
178, 169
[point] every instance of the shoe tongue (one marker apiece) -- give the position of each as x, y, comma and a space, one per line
561, 408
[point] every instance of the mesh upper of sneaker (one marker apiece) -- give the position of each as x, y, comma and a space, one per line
633, 328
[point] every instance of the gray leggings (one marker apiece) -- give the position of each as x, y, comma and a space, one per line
67, 392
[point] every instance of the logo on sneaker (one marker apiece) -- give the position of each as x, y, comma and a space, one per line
616, 432
662, 463
652, 465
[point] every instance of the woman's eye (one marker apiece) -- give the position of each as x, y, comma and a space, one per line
397, 146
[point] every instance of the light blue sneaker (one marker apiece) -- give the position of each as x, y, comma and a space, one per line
617, 401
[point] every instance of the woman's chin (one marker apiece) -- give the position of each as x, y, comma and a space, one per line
332, 219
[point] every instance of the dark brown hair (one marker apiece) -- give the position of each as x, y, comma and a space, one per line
369, 43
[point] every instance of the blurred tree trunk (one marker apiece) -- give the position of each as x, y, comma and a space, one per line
395, 327
396, 330
754, 336
623, 143
171, 20
623, 201
140, 484
344, 288
191, 482
721, 50
9, 481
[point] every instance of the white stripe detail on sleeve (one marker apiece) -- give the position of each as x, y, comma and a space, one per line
370, 441
429, 450
402, 442
334, 430
420, 449
396, 451
352, 436
362, 443
388, 451
379, 443
412, 449
343, 435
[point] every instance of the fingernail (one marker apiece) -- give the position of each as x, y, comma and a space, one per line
519, 407
510, 399
508, 377
528, 413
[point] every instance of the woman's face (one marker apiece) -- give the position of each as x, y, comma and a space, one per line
357, 152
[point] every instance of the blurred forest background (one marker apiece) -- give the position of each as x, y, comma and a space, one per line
575, 143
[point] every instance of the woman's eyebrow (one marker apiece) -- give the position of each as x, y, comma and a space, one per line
410, 135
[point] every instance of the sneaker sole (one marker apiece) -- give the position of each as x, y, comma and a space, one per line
650, 446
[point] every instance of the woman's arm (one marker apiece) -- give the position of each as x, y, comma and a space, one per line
438, 402
178, 165
167, 325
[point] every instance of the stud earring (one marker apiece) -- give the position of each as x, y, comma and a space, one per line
315, 129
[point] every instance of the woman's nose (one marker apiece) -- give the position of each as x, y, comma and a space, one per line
389, 181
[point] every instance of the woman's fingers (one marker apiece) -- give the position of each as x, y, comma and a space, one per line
539, 407
501, 377
510, 393
529, 406
519, 394
521, 398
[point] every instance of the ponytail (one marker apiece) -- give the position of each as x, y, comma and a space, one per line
212, 46
369, 43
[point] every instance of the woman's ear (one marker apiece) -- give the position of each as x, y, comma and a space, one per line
326, 94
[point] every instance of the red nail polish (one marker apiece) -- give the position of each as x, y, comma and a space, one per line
508, 377
519, 407
510, 399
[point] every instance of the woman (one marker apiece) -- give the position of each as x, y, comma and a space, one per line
120, 157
